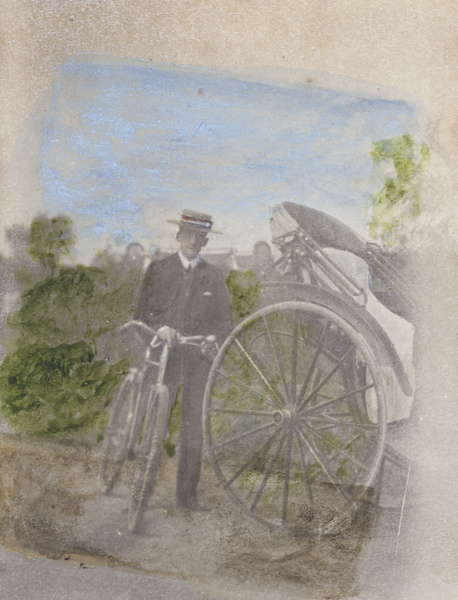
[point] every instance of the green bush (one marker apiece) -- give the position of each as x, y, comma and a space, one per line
57, 376
245, 289
55, 390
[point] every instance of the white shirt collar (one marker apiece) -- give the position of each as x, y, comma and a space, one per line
189, 263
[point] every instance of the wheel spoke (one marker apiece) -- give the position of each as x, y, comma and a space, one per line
244, 435
342, 451
247, 388
289, 450
313, 364
253, 458
294, 359
330, 424
322, 464
277, 358
268, 472
253, 413
337, 398
325, 380
305, 469
335, 415
244, 353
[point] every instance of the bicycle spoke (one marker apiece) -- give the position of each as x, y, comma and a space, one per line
313, 364
325, 380
277, 358
289, 450
268, 472
244, 353
247, 388
244, 435
253, 458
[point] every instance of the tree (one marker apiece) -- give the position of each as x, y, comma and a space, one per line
397, 203
49, 240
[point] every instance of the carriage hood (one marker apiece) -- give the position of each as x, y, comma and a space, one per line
324, 229
387, 284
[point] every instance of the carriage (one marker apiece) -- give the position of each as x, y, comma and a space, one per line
299, 395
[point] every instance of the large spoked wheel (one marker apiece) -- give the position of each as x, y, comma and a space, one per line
120, 436
149, 454
295, 417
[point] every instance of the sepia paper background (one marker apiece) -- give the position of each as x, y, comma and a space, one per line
408, 48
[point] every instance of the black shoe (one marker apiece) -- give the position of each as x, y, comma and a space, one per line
187, 503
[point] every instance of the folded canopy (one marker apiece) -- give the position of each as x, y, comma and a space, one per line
386, 282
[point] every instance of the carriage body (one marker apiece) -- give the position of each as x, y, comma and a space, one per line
363, 286
300, 394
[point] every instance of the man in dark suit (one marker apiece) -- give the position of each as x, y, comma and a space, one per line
183, 294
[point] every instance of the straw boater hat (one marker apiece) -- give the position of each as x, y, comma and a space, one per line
195, 220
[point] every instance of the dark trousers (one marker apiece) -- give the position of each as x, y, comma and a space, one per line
188, 367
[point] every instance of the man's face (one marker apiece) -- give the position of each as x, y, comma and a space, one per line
191, 242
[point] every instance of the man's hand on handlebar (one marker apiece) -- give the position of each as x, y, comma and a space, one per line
208, 345
210, 348
168, 334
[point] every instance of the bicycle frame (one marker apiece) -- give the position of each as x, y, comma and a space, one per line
199, 341
148, 414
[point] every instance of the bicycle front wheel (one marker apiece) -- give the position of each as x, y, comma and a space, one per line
120, 437
150, 451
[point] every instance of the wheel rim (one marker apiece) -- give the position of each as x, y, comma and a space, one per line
295, 417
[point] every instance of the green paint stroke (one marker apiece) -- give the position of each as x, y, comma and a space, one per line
397, 203
59, 374
49, 240
244, 288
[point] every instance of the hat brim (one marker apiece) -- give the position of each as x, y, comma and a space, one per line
193, 227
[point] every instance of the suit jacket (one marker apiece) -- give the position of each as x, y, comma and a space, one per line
193, 303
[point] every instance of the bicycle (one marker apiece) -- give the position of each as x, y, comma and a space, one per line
139, 420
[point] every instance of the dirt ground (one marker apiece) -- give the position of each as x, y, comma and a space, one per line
51, 504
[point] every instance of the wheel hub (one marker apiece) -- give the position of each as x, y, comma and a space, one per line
286, 417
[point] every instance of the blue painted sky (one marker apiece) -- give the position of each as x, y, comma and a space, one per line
128, 145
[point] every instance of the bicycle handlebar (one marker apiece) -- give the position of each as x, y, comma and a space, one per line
190, 340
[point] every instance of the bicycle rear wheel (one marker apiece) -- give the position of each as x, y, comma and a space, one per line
149, 454
120, 434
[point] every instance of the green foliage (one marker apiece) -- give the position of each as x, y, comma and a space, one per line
244, 288
78, 303
57, 377
397, 203
49, 240
54, 390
